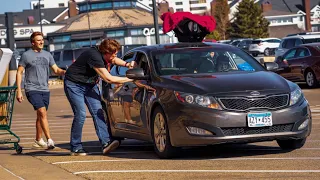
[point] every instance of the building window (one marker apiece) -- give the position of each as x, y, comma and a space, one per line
179, 3
198, 8
139, 40
136, 32
198, 2
179, 9
61, 4
59, 39
115, 33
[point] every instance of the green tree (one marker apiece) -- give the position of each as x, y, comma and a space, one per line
214, 35
221, 14
249, 21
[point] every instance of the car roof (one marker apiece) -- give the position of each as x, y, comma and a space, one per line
308, 36
182, 45
311, 44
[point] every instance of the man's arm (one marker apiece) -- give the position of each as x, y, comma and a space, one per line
106, 76
18, 82
58, 70
120, 62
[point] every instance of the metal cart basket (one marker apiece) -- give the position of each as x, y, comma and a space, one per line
7, 98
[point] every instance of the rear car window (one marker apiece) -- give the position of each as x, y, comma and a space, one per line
78, 52
56, 56
313, 40
256, 42
67, 55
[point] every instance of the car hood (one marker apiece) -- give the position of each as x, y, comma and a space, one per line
228, 82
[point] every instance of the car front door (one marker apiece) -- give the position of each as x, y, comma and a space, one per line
125, 107
284, 69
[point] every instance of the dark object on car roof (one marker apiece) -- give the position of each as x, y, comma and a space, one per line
188, 27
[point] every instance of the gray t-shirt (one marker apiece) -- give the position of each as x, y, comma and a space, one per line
37, 69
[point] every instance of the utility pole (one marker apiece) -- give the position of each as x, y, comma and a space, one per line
155, 20
40, 17
89, 21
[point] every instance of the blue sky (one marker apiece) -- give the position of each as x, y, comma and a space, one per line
14, 5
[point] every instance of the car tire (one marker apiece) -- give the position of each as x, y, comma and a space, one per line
311, 79
291, 144
159, 127
254, 54
266, 52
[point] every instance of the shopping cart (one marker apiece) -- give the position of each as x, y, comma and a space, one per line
7, 98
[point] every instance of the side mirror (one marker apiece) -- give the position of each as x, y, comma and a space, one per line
271, 66
136, 74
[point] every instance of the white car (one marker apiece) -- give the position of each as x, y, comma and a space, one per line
264, 46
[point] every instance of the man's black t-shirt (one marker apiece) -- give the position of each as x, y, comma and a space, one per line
81, 71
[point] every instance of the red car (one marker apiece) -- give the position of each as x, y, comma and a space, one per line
301, 64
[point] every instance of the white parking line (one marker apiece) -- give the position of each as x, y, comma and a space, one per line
220, 159
202, 171
11, 173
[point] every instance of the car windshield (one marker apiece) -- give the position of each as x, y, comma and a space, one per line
203, 60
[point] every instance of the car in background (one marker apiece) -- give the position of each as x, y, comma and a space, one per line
301, 64
224, 41
295, 40
242, 43
65, 57
182, 97
265, 46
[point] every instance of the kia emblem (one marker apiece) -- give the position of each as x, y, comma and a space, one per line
255, 93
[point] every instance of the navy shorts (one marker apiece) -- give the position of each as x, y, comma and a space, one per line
38, 99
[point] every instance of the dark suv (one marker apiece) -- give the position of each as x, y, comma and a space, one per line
65, 57
295, 40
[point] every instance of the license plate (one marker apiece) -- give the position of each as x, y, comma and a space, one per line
259, 119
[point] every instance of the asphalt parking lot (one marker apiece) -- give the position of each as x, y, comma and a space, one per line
137, 160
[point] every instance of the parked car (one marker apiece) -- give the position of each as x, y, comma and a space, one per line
196, 101
242, 43
301, 64
264, 46
65, 57
295, 40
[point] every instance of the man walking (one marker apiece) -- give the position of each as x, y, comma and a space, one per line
36, 62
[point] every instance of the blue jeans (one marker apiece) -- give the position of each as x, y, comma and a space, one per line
80, 95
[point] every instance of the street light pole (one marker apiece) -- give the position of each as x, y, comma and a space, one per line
89, 22
155, 20
39, 6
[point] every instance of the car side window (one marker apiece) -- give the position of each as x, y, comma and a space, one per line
290, 43
141, 60
56, 56
128, 58
302, 52
67, 55
298, 42
290, 54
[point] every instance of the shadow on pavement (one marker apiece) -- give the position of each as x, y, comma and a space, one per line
144, 150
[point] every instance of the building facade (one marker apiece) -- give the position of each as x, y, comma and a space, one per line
122, 20
50, 3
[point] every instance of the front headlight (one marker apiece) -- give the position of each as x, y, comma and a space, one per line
295, 96
198, 100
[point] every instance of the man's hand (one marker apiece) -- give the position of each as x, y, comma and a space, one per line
132, 65
19, 96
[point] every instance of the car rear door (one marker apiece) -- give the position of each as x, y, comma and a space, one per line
297, 64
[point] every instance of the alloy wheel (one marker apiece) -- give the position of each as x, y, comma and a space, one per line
310, 79
160, 135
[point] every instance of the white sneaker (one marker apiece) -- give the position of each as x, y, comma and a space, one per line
50, 144
40, 144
